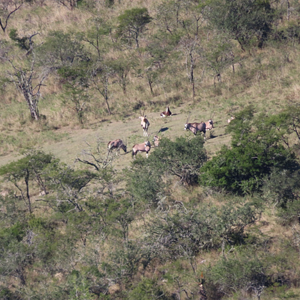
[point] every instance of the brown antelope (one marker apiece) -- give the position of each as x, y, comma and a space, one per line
156, 141
144, 147
166, 113
195, 127
145, 124
116, 144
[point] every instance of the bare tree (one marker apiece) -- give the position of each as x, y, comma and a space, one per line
29, 83
100, 78
70, 4
189, 47
7, 9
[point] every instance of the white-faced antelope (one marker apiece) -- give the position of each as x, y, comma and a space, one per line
209, 124
116, 144
145, 124
144, 147
156, 141
229, 120
166, 113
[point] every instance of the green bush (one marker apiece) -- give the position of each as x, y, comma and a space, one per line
257, 149
281, 187
242, 272
186, 233
181, 158
147, 289
246, 28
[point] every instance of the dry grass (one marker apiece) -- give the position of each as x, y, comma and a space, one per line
266, 80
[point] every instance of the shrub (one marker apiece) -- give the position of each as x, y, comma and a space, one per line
147, 289
256, 150
246, 28
181, 158
242, 272
185, 233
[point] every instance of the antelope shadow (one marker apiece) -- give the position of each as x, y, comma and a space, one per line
163, 129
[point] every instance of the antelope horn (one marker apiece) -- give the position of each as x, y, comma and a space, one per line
187, 120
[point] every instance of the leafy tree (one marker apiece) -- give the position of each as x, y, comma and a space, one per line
256, 149
290, 213
281, 188
145, 186
217, 55
100, 76
147, 289
189, 47
194, 15
122, 212
245, 20
28, 169
165, 16
69, 186
181, 158
62, 50
242, 272
15, 256
150, 65
132, 24
288, 122
22, 42
76, 85
79, 286
186, 232
124, 261
122, 67
95, 35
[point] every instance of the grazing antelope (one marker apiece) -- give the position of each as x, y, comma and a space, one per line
195, 127
229, 120
144, 147
209, 124
156, 141
145, 124
116, 144
166, 113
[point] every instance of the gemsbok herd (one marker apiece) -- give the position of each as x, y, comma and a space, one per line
146, 146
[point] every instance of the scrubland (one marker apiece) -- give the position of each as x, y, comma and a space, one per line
198, 215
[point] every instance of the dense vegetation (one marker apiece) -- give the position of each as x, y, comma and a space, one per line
190, 219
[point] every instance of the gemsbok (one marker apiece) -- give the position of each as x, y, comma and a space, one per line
209, 124
195, 127
116, 144
166, 113
145, 124
156, 141
144, 147
229, 120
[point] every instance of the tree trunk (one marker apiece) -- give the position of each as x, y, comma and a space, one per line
192, 74
106, 95
27, 191
32, 104
150, 85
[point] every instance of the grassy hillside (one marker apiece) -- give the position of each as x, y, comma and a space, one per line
117, 229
